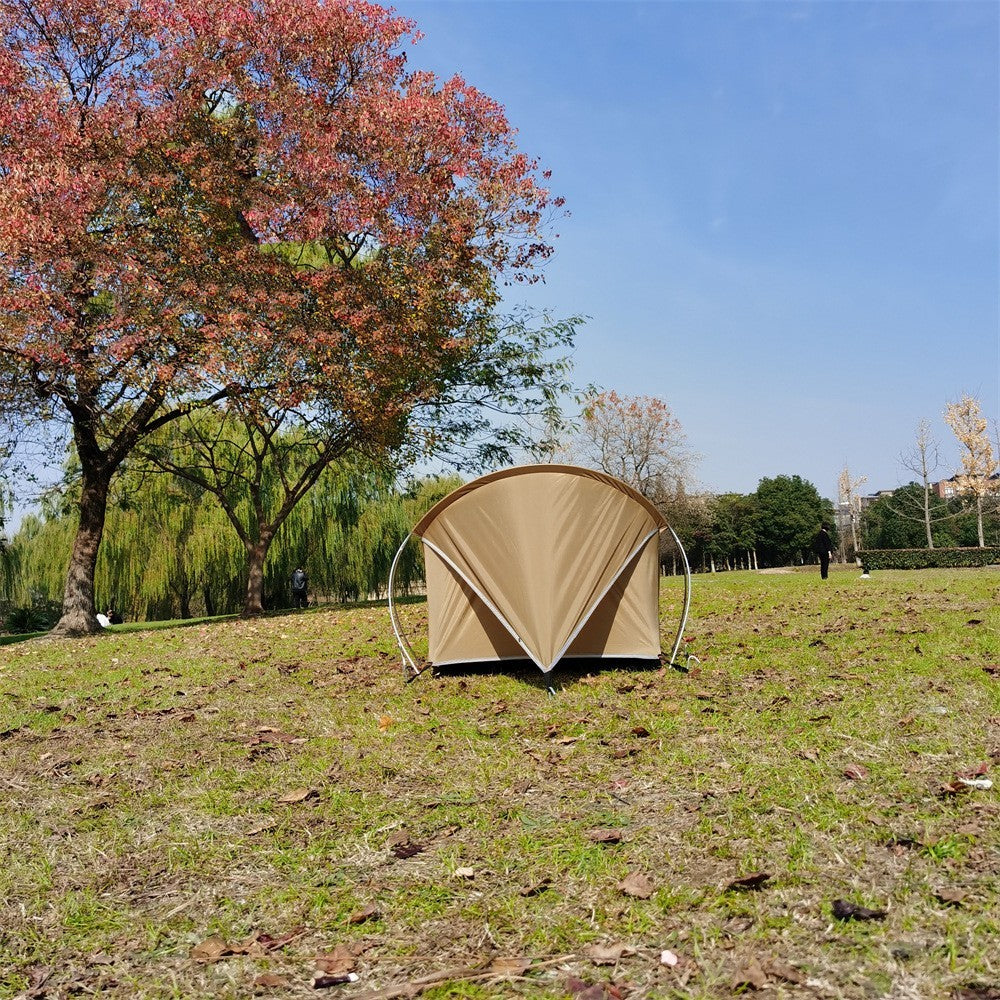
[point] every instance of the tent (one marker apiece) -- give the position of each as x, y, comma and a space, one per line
541, 562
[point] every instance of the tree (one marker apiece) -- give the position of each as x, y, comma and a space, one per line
638, 440
170, 551
789, 513
849, 500
161, 167
970, 427
733, 530
922, 460
259, 458
899, 521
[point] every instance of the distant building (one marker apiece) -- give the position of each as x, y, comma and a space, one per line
946, 489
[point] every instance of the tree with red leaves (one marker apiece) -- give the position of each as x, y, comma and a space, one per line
637, 439
171, 171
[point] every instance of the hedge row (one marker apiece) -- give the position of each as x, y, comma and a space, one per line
929, 558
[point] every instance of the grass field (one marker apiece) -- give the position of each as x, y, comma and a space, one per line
237, 807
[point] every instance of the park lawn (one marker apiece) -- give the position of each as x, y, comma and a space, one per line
223, 809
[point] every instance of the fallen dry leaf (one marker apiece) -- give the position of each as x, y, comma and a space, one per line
974, 772
263, 828
750, 976
584, 991
607, 954
299, 795
755, 880
605, 836
465, 873
384, 722
271, 980
636, 885
407, 849
537, 888
900, 845
367, 912
211, 949
337, 963
856, 772
845, 910
513, 966
782, 970
952, 897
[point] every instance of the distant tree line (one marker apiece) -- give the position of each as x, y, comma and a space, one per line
776, 525
171, 552
897, 521
639, 440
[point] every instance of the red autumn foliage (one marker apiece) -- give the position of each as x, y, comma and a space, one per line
203, 197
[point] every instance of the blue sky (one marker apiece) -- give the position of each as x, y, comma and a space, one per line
784, 217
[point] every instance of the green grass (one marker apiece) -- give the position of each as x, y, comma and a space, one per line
142, 773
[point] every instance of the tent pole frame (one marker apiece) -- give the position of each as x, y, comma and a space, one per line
405, 649
687, 597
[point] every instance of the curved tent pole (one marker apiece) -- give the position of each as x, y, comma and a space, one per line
687, 598
405, 649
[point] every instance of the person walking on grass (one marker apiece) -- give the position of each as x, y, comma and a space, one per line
300, 588
823, 547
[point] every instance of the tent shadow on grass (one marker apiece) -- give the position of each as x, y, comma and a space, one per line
567, 673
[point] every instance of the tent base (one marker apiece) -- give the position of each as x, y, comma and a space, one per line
576, 665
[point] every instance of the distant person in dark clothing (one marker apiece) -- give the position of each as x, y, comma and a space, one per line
300, 587
823, 547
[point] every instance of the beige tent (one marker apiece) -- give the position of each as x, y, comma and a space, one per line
542, 562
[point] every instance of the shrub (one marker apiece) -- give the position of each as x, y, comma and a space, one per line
40, 617
930, 558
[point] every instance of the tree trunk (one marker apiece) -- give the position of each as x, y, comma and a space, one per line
79, 615
927, 514
979, 521
256, 554
209, 602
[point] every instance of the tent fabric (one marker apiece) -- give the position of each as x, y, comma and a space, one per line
542, 562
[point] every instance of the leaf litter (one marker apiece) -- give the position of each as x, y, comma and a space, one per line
681, 842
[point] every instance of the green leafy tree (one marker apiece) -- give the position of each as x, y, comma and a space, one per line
902, 520
733, 529
789, 511
171, 552
259, 457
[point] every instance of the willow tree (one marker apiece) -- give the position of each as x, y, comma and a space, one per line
170, 551
260, 456
151, 153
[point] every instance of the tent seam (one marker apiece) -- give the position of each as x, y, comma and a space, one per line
489, 604
604, 593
